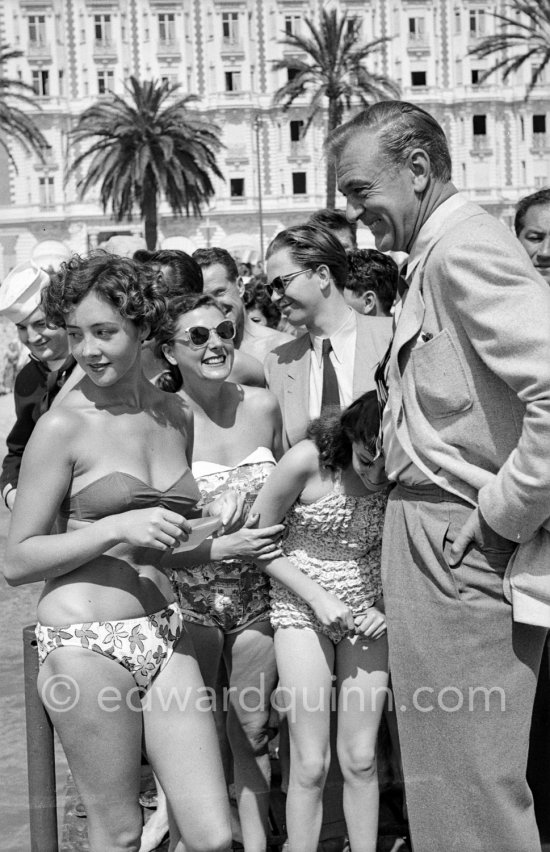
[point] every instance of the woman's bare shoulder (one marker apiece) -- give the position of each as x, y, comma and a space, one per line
260, 398
173, 407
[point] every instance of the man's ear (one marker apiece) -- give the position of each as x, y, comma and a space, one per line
369, 300
168, 354
324, 274
240, 286
421, 169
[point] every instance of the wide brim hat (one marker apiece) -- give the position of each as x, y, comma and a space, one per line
20, 291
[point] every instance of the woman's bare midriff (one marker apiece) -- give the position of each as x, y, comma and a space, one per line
122, 583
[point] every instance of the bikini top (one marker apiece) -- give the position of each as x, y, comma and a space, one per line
120, 492
261, 455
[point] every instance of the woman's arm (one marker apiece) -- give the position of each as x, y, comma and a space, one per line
279, 493
32, 553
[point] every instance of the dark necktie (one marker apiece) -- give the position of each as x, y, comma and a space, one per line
330, 399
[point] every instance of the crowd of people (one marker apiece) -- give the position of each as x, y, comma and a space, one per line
287, 491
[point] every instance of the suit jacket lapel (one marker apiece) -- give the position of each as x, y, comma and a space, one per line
296, 391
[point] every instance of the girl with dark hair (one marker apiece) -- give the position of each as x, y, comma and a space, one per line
223, 595
115, 480
330, 628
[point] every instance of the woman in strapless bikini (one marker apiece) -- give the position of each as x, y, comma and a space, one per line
223, 595
110, 467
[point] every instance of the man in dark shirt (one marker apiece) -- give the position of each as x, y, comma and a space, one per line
41, 378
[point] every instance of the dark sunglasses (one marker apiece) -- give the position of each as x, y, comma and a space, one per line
281, 282
199, 335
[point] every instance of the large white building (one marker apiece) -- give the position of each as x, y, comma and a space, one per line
74, 51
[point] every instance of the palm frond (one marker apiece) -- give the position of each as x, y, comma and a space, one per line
518, 41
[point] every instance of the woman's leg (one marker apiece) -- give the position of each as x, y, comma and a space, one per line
90, 701
305, 663
250, 661
208, 644
181, 742
362, 678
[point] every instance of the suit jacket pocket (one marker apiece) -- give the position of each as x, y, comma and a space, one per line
440, 380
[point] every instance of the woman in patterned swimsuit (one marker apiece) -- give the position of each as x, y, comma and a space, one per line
330, 640
223, 595
114, 473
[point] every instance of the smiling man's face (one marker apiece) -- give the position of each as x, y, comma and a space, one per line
378, 194
535, 237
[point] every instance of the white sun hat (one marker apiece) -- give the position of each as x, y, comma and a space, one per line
20, 291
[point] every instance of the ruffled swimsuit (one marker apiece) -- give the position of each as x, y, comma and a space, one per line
337, 542
230, 594
141, 645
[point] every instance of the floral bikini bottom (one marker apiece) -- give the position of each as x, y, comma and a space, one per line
141, 645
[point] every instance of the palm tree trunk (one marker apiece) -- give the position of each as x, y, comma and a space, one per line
150, 213
334, 119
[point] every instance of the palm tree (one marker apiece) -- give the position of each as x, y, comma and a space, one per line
14, 122
146, 146
333, 70
518, 40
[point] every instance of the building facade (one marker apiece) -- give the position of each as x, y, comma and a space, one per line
76, 51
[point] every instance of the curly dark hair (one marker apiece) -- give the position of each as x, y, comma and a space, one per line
138, 293
334, 434
369, 269
255, 296
172, 380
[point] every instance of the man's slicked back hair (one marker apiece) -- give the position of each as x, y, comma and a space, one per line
400, 128
209, 256
541, 198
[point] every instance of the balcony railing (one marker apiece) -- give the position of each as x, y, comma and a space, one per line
39, 50
168, 47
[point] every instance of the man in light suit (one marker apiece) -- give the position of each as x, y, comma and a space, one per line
466, 440
306, 271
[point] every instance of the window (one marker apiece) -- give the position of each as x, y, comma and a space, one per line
41, 82
479, 125
236, 187
417, 29
291, 74
232, 81
522, 128
539, 124
292, 24
105, 81
61, 82
230, 27
353, 26
418, 78
171, 79
458, 22
45, 192
477, 22
102, 29
37, 30
167, 27
299, 183
475, 76
296, 130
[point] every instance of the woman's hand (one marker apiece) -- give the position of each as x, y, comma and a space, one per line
248, 542
230, 507
371, 624
332, 612
158, 528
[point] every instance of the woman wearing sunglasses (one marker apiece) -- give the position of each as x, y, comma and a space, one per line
117, 666
223, 595
330, 630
